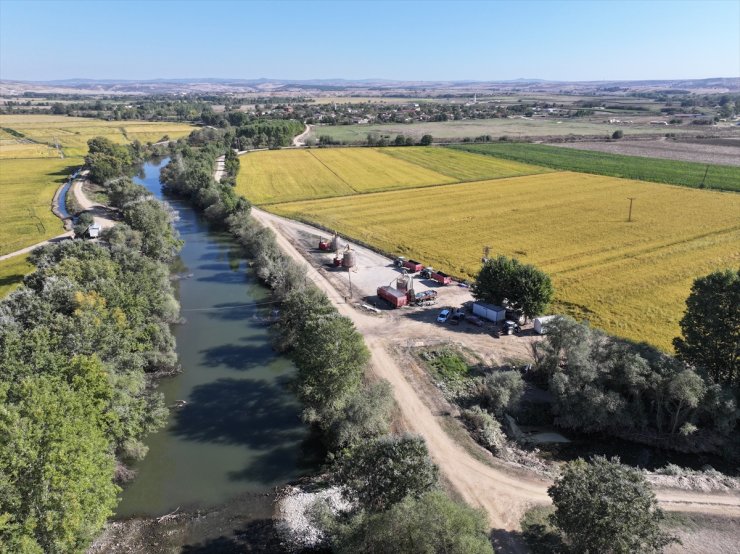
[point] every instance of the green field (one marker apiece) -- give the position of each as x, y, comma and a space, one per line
290, 175
689, 174
630, 279
12, 272
513, 127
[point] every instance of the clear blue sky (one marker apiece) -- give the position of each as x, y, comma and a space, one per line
414, 40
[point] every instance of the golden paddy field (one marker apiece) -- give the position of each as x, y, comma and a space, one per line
289, 175
72, 133
31, 170
630, 279
26, 190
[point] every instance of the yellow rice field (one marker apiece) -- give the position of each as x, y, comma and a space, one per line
289, 175
462, 166
72, 133
630, 279
26, 191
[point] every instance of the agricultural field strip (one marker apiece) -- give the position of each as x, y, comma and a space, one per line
273, 177
73, 132
26, 191
629, 278
689, 174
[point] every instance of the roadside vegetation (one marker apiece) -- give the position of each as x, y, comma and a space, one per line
674, 172
79, 343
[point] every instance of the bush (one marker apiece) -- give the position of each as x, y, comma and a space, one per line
484, 429
502, 391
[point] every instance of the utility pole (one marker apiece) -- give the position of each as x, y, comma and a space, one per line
629, 218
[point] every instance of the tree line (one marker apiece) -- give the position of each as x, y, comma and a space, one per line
79, 344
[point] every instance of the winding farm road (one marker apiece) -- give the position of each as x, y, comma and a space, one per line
101, 213
503, 492
300, 140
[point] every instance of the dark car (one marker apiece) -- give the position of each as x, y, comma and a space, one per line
475, 320
510, 327
516, 316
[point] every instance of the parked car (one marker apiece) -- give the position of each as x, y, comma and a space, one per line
443, 316
510, 327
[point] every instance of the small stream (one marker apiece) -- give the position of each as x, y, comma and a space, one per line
239, 432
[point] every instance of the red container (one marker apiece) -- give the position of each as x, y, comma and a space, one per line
396, 297
324, 245
442, 278
413, 266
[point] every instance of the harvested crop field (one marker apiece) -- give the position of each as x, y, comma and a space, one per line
721, 154
26, 191
629, 278
290, 175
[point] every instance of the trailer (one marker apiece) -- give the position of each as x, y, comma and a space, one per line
441, 278
324, 244
413, 266
395, 297
540, 323
489, 312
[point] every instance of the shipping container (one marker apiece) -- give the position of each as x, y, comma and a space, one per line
489, 312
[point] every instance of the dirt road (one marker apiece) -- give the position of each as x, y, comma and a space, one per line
218, 174
101, 214
300, 140
501, 491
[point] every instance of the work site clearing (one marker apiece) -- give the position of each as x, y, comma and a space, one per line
630, 278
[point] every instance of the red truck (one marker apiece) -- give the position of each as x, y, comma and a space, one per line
396, 297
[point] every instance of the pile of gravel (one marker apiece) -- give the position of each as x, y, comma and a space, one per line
292, 520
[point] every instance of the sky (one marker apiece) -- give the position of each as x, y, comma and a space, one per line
399, 40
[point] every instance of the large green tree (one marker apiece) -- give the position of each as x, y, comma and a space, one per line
711, 327
56, 467
381, 473
507, 282
606, 507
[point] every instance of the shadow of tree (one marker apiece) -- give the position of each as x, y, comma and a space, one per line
239, 356
256, 414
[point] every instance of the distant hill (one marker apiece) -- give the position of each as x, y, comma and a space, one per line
369, 86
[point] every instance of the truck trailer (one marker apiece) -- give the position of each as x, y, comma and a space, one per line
395, 297
413, 266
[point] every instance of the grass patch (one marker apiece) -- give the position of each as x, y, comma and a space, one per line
447, 364
631, 279
687, 174
12, 272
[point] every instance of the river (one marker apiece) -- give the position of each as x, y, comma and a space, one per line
239, 432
